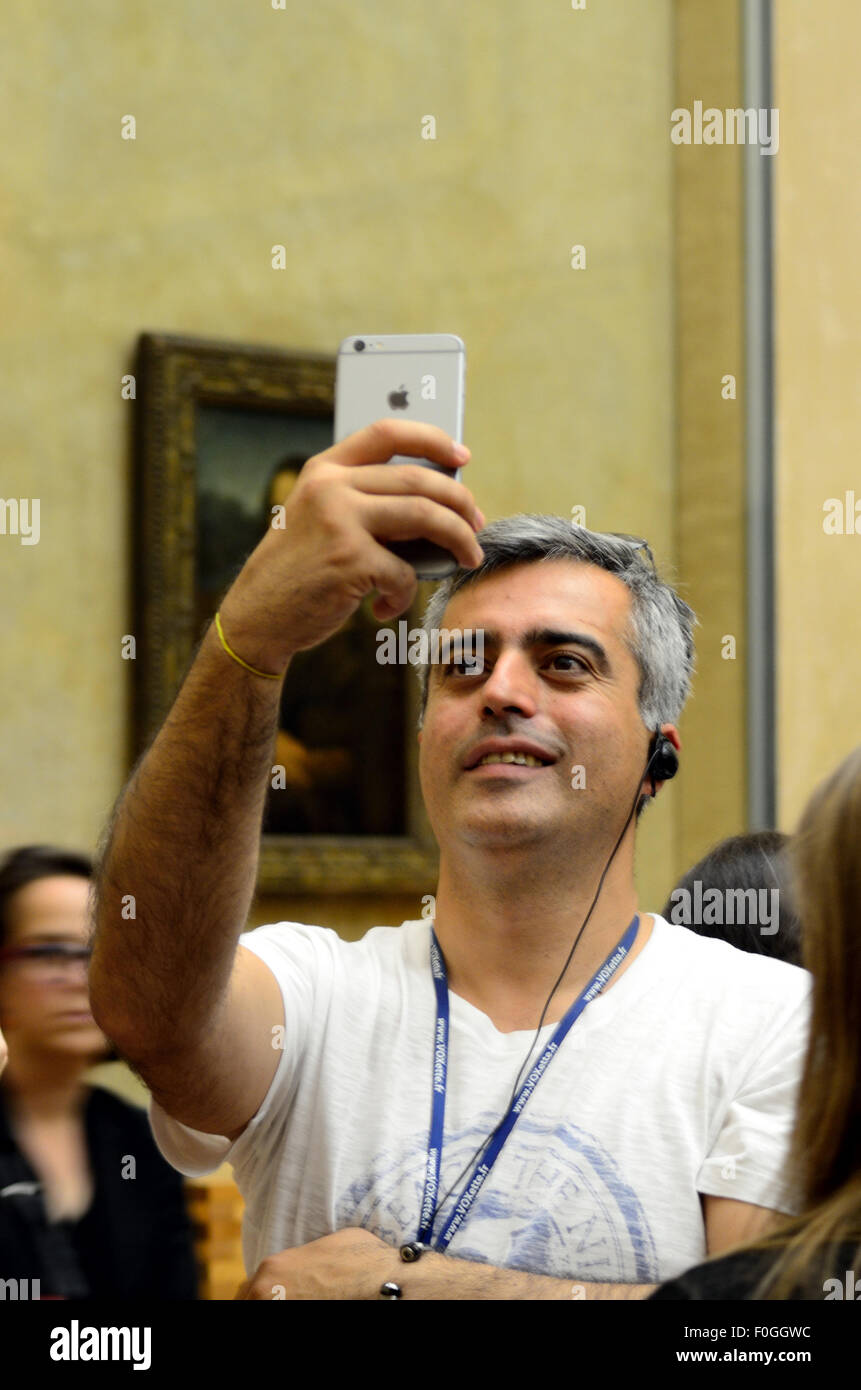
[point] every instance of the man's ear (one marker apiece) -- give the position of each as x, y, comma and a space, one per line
652, 784
420, 736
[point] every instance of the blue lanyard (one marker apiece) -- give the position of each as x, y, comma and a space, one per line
440, 1074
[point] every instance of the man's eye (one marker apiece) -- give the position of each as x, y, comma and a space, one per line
464, 668
569, 656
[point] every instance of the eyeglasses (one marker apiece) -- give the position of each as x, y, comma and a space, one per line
55, 959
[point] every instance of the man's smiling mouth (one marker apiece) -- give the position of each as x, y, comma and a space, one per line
517, 759
508, 752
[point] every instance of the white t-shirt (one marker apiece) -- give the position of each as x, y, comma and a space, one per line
680, 1080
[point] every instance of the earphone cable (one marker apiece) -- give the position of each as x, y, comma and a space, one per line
481, 1148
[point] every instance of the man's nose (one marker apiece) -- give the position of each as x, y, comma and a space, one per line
511, 685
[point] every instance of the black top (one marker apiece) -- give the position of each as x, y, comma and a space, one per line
134, 1241
736, 1277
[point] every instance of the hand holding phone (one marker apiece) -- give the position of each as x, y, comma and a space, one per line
331, 545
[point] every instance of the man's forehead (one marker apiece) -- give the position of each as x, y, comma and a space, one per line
553, 593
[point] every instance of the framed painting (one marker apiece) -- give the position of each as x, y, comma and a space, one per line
222, 430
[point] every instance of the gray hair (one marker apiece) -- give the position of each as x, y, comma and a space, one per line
660, 630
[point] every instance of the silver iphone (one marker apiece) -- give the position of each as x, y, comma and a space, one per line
417, 376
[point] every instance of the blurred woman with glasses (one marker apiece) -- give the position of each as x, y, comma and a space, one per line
87, 1204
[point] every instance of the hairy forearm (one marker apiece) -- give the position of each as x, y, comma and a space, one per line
178, 866
437, 1276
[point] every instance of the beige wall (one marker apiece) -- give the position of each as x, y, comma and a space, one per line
818, 349
710, 510
256, 127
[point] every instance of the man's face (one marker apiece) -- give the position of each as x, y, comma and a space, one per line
559, 678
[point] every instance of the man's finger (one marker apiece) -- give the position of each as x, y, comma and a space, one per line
378, 442
408, 479
418, 518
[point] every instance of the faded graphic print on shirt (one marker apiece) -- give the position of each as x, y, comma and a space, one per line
555, 1203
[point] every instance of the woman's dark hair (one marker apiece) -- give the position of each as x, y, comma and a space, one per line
19, 867
738, 867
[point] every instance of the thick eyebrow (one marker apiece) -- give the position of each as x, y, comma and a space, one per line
552, 637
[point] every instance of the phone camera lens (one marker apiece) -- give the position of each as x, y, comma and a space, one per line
359, 345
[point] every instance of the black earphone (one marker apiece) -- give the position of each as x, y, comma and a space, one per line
662, 765
663, 760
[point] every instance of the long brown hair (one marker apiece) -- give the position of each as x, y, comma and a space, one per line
825, 1156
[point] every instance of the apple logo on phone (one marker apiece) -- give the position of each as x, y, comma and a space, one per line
398, 399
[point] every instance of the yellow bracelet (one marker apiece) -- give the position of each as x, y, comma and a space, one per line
253, 669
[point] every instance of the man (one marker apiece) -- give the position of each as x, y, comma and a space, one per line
652, 1135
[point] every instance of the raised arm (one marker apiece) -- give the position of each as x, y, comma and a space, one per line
167, 983
178, 865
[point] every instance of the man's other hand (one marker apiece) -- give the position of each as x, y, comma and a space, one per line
351, 1264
